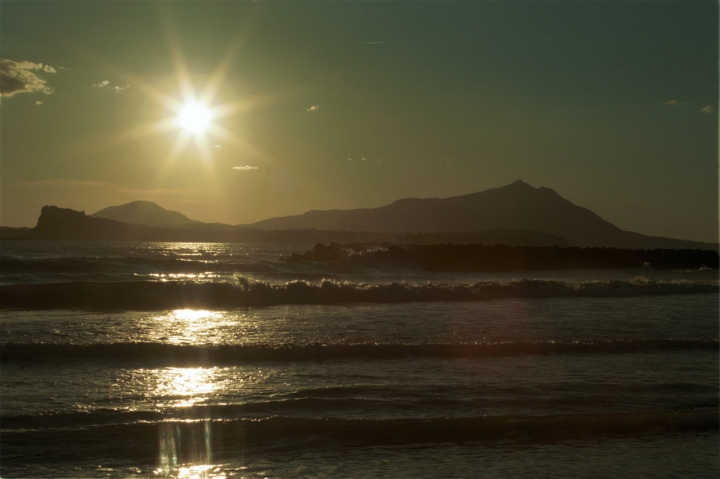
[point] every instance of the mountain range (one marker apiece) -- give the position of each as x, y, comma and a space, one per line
515, 214
517, 206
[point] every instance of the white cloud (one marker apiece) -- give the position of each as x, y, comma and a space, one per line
707, 109
116, 88
314, 108
244, 168
217, 146
49, 69
19, 77
38, 102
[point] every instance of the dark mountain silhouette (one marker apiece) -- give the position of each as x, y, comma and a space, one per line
65, 224
516, 215
516, 206
144, 213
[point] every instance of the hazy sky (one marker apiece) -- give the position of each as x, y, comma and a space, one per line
321, 105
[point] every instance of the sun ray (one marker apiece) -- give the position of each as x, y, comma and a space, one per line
234, 140
203, 147
181, 71
218, 76
193, 113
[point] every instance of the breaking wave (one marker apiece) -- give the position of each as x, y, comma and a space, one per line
154, 295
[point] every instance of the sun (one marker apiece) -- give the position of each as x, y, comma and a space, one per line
194, 117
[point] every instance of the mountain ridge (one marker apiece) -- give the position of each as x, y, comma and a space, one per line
144, 213
64, 224
513, 214
514, 206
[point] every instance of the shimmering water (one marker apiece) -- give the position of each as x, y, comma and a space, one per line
354, 369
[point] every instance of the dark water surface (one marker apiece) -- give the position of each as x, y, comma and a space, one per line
350, 369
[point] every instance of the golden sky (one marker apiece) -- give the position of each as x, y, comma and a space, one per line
356, 104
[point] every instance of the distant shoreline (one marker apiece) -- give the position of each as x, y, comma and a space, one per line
63, 224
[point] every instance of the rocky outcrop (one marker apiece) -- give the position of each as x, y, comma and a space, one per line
66, 224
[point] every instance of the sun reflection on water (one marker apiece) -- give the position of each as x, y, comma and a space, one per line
186, 386
185, 447
193, 314
191, 326
187, 454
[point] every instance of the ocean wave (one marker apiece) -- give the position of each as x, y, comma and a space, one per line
128, 264
155, 295
201, 355
478, 257
356, 401
142, 437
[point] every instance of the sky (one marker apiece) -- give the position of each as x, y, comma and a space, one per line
348, 104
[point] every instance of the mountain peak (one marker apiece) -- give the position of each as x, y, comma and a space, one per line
143, 213
518, 206
519, 183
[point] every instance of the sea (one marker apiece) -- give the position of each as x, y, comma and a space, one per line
349, 369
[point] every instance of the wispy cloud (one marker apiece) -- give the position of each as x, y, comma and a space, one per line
21, 77
707, 109
314, 108
244, 168
673, 103
106, 83
38, 102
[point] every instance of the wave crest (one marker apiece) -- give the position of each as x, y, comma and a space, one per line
151, 295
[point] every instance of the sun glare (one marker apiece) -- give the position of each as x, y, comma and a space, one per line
194, 117
192, 314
